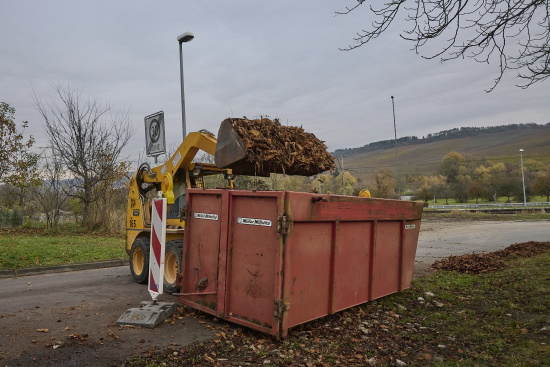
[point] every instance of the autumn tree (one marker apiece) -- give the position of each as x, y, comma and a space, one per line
452, 165
88, 139
342, 183
514, 34
50, 194
384, 184
505, 179
25, 174
15, 152
541, 183
477, 190
460, 188
285, 183
8, 196
431, 188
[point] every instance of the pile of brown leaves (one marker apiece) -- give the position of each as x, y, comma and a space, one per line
484, 263
276, 148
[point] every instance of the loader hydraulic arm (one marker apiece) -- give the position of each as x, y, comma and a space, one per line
184, 155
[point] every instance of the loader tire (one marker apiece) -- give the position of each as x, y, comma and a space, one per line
172, 265
139, 260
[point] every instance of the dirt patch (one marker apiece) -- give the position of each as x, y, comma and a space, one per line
484, 263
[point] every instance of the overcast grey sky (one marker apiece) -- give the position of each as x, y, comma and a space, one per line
276, 58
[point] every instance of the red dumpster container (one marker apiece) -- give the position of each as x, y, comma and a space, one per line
272, 260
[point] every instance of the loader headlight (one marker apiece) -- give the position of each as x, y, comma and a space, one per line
197, 170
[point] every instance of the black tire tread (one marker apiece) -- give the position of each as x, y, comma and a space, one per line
142, 242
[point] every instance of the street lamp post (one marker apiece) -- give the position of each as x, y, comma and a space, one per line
396, 160
343, 183
522, 177
184, 37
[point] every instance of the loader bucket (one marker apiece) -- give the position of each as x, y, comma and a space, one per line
262, 146
231, 153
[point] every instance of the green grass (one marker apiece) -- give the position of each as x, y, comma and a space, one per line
500, 200
466, 215
26, 250
499, 316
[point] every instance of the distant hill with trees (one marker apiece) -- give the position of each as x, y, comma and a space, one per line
455, 133
463, 163
423, 155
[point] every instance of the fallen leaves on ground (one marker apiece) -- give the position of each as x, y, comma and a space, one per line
484, 263
78, 336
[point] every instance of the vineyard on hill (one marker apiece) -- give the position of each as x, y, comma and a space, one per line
422, 156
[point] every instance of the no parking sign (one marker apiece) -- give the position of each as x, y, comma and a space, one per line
155, 140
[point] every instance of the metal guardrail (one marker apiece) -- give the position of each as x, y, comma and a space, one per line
499, 205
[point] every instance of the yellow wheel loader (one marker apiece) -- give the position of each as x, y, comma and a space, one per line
169, 180
255, 149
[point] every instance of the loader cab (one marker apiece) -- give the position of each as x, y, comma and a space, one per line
199, 175
139, 213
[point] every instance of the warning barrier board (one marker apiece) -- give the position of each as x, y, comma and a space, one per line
158, 242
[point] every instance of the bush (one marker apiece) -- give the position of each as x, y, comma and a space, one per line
10, 218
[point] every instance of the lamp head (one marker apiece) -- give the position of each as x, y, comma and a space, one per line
521, 150
185, 37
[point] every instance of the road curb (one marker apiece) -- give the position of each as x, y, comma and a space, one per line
15, 273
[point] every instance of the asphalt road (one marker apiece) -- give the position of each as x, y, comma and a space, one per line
442, 239
78, 303
43, 316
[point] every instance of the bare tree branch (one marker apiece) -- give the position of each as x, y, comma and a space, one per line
87, 138
513, 33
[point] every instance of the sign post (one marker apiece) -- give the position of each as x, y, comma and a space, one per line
158, 242
155, 137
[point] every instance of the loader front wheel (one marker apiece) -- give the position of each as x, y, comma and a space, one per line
139, 259
172, 265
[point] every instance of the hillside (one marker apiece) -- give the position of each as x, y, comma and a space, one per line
422, 157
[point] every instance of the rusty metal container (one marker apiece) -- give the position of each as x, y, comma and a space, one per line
272, 260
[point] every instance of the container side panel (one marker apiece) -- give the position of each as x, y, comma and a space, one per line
200, 261
352, 273
410, 241
254, 250
309, 247
316, 207
386, 259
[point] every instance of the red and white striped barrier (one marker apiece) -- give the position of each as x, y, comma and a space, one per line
158, 241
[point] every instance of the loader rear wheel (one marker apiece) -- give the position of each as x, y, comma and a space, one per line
139, 260
172, 265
